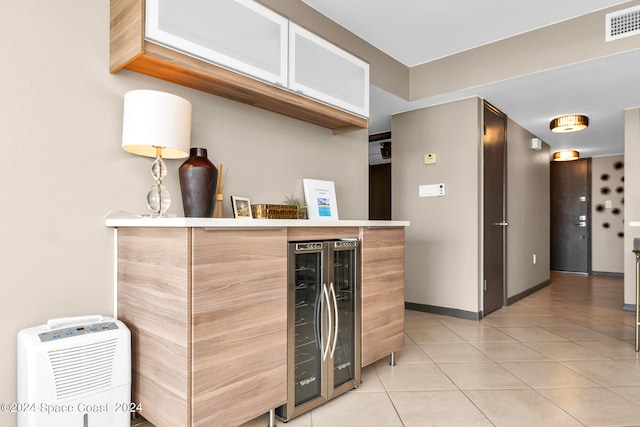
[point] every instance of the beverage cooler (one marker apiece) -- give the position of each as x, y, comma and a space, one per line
324, 323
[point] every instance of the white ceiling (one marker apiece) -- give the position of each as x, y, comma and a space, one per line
413, 32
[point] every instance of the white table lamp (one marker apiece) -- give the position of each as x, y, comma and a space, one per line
156, 124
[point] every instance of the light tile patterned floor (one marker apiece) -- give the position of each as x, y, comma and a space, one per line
563, 356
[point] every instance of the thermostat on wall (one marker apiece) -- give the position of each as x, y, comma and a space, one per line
430, 158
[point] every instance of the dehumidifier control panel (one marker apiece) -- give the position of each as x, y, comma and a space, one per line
72, 331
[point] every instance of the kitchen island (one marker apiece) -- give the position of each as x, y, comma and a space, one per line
206, 302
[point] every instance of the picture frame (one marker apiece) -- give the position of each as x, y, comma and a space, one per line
320, 197
241, 207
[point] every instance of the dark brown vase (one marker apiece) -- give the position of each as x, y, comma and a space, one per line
198, 180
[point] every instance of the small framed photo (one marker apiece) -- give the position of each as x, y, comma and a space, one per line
241, 207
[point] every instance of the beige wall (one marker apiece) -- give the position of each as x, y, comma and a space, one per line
528, 207
62, 168
442, 243
607, 246
631, 199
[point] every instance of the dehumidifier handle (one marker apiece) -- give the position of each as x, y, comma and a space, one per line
62, 321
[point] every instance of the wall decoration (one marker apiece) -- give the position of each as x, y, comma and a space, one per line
604, 205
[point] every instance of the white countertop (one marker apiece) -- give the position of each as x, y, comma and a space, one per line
123, 219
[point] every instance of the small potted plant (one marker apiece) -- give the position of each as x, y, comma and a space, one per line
302, 207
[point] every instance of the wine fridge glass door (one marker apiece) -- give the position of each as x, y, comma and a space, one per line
344, 283
308, 326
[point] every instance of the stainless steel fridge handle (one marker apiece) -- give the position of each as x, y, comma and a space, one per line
336, 325
325, 294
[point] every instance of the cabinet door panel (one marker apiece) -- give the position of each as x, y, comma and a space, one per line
382, 292
153, 298
325, 72
216, 31
239, 309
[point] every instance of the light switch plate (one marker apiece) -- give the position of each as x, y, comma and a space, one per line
430, 158
431, 190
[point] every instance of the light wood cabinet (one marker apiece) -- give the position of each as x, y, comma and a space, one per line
162, 58
382, 292
207, 311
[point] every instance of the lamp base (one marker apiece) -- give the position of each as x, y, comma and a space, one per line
158, 199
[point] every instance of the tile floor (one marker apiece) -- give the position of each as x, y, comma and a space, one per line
563, 356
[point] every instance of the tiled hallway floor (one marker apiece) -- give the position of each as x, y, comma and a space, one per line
563, 356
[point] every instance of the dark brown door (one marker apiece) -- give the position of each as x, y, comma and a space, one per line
380, 191
570, 223
495, 221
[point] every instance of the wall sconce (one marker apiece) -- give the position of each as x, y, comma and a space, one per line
565, 155
569, 123
156, 124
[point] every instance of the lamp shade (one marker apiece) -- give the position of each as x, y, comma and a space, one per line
566, 155
569, 123
156, 119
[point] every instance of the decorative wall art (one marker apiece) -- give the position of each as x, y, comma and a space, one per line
609, 200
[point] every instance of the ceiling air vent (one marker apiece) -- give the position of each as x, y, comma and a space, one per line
623, 23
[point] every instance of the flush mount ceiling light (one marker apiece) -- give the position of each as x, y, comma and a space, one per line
569, 123
565, 155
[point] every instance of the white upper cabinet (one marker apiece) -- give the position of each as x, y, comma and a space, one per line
247, 38
321, 70
241, 35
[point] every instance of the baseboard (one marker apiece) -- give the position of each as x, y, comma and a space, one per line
526, 293
453, 312
607, 273
629, 307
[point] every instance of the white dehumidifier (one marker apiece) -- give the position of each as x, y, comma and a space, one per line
75, 372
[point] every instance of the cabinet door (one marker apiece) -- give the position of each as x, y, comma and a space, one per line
382, 292
240, 35
343, 288
321, 70
306, 293
239, 325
